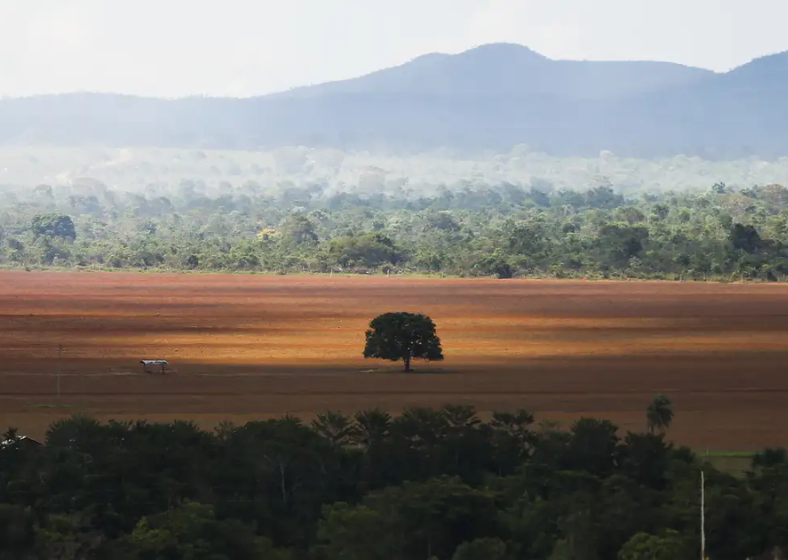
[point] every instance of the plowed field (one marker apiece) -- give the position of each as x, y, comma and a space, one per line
252, 346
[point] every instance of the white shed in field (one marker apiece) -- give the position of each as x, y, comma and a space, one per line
154, 366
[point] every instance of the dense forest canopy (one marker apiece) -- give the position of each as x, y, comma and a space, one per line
434, 484
495, 225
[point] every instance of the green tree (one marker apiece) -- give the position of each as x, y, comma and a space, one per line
769, 457
642, 546
415, 520
371, 426
494, 265
298, 230
334, 427
620, 242
192, 261
593, 447
355, 533
368, 250
746, 238
53, 225
403, 336
659, 414
646, 459
192, 532
512, 439
69, 537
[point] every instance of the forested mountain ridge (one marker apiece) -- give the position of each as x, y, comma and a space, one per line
491, 97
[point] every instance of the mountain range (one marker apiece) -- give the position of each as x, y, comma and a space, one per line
490, 97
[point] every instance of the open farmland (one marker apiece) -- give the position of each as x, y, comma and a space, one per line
252, 346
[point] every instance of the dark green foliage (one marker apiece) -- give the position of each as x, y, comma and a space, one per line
659, 414
415, 520
429, 483
746, 238
618, 243
366, 251
192, 261
403, 336
192, 532
669, 546
472, 230
493, 265
770, 457
355, 533
593, 447
645, 458
298, 230
54, 225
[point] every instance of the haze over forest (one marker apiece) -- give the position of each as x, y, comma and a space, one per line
165, 171
486, 100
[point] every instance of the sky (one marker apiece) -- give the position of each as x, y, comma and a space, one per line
174, 48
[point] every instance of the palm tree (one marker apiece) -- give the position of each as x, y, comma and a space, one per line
659, 414
335, 427
371, 425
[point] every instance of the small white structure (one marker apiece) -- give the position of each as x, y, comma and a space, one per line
21, 440
154, 366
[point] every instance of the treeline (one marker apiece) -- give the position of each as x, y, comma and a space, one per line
508, 231
428, 484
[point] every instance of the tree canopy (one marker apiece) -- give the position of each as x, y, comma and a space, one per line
659, 414
54, 225
403, 336
427, 483
503, 230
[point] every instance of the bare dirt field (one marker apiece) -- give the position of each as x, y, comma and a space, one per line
256, 346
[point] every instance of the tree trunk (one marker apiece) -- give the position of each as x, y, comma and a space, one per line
407, 363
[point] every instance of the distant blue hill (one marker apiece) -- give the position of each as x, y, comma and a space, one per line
490, 97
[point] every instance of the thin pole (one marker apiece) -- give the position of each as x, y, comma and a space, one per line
59, 352
702, 517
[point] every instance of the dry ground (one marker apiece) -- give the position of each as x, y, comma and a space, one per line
252, 346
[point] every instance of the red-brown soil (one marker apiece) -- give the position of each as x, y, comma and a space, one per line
253, 346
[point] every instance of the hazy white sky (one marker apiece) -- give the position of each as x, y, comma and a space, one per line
246, 47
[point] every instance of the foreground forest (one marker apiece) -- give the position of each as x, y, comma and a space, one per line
428, 484
506, 230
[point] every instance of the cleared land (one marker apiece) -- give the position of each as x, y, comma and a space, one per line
253, 346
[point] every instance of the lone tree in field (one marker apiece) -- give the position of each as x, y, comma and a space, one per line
403, 336
659, 414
